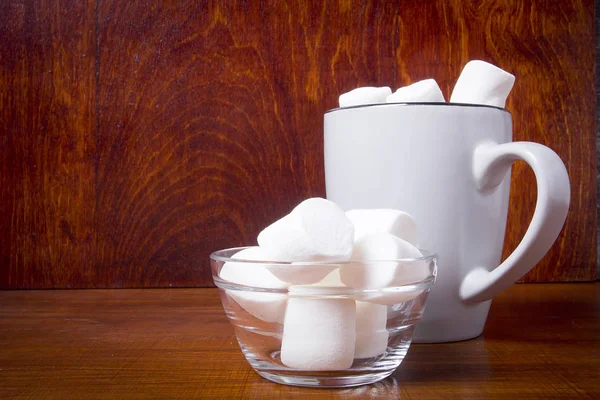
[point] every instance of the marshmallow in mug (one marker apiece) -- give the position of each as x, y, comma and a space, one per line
365, 95
426, 90
482, 83
269, 307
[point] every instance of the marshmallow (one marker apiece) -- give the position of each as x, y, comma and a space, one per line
319, 334
301, 273
384, 248
389, 297
365, 95
482, 83
422, 91
331, 280
371, 334
396, 222
394, 297
269, 307
316, 230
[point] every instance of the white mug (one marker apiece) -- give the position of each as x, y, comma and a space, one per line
448, 165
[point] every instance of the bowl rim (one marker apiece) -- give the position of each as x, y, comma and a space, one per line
218, 256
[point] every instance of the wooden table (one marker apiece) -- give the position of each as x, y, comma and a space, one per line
541, 341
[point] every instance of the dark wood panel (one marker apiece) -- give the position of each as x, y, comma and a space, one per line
540, 341
555, 106
210, 125
194, 125
47, 143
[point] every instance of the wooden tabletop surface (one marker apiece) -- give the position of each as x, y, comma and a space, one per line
540, 341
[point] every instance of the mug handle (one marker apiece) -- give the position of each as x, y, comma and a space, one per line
491, 162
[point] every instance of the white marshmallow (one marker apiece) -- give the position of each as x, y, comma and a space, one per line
365, 95
319, 334
381, 274
331, 280
482, 83
406, 273
389, 298
422, 91
269, 307
371, 334
396, 222
316, 230
371, 319
301, 273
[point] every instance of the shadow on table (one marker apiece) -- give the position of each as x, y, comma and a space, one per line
440, 362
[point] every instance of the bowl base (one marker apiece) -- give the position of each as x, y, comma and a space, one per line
364, 371
324, 382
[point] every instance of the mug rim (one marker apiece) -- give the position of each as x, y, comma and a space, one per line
418, 103
220, 257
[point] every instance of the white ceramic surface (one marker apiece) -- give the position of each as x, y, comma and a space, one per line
448, 165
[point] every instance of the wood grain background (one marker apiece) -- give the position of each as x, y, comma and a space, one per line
137, 137
597, 25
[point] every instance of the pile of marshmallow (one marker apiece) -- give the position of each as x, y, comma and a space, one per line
297, 255
318, 247
479, 83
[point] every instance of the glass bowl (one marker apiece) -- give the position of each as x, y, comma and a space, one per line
322, 333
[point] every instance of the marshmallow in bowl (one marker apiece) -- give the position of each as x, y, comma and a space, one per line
319, 334
371, 334
392, 297
312, 252
371, 318
365, 95
331, 280
482, 83
269, 307
316, 230
301, 272
378, 246
423, 91
396, 222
